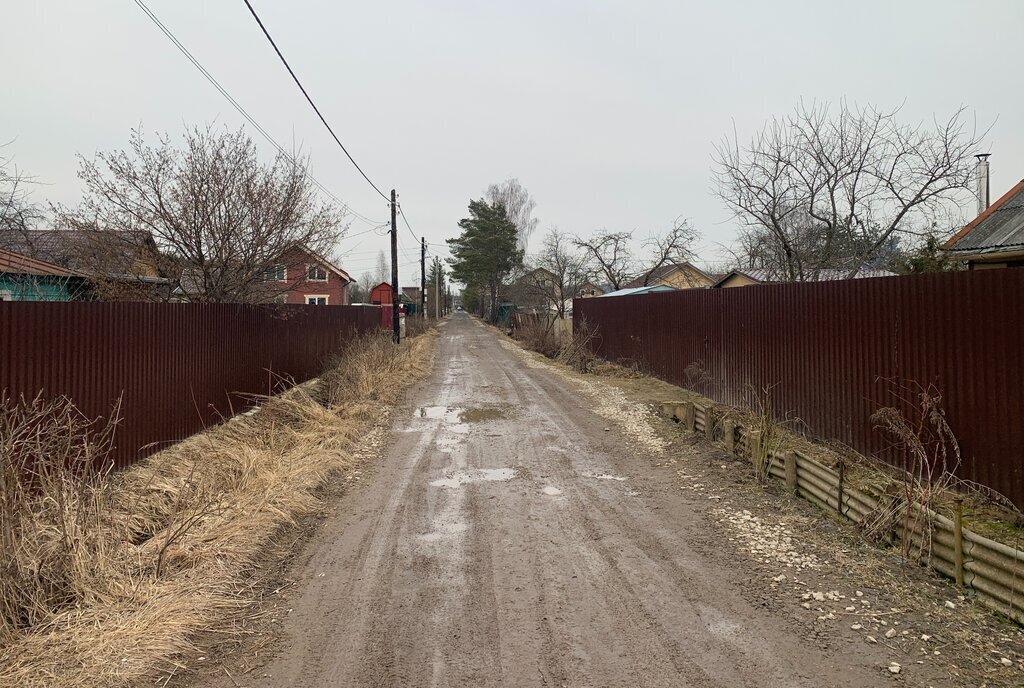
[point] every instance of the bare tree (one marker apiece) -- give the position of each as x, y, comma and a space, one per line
18, 213
611, 256
367, 281
383, 273
671, 248
819, 189
564, 273
519, 207
232, 226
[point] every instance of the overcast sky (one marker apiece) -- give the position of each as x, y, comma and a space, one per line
606, 111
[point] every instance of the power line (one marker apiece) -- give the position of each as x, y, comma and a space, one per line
312, 104
241, 110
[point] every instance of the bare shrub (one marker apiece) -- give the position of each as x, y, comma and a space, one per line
577, 351
538, 335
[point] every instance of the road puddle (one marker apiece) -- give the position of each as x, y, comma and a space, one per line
608, 476
460, 478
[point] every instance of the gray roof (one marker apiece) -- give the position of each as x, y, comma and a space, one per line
1002, 227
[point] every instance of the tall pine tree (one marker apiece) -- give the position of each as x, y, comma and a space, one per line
486, 251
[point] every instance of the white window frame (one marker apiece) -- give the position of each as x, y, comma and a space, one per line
325, 297
326, 276
273, 273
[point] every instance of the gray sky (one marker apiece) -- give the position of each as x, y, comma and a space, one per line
605, 111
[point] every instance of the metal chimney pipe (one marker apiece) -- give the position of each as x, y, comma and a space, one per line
981, 178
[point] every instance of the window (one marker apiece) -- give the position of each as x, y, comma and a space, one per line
316, 299
316, 273
277, 273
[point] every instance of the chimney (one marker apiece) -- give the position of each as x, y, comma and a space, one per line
981, 178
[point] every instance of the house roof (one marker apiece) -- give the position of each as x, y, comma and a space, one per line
662, 272
824, 275
16, 263
999, 228
327, 264
639, 290
113, 254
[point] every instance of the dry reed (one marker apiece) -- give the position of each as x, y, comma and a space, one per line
112, 579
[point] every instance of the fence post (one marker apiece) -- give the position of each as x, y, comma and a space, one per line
690, 416
729, 427
709, 424
755, 449
789, 459
839, 494
958, 541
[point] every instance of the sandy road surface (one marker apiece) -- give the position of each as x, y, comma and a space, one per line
509, 538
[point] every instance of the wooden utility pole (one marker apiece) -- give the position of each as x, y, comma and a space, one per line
423, 277
396, 327
437, 292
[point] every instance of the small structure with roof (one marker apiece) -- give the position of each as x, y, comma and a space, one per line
994, 239
23, 278
751, 276
633, 291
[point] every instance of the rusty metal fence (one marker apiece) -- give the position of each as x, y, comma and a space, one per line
835, 352
176, 368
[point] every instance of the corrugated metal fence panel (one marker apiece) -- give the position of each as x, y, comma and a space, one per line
176, 367
835, 352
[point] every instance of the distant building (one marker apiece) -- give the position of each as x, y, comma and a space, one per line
675, 275
311, 279
23, 278
633, 291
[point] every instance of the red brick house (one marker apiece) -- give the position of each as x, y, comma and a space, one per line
311, 279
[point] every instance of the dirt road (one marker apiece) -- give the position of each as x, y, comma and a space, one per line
513, 537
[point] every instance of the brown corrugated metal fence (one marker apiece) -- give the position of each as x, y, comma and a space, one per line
179, 367
834, 352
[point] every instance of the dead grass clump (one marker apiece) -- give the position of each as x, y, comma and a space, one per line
53, 486
125, 573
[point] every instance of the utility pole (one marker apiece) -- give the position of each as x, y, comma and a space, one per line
396, 327
423, 277
437, 291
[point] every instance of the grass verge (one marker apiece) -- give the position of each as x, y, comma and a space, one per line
117, 579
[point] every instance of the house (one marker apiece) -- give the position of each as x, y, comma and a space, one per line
995, 238
411, 298
120, 264
675, 275
27, 279
750, 276
305, 277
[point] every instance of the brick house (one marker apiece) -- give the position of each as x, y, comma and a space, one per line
311, 279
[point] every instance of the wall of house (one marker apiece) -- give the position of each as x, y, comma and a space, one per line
37, 288
684, 278
299, 287
737, 281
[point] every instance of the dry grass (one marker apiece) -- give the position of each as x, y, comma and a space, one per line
113, 579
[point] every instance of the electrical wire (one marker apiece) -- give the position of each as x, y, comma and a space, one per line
241, 110
310, 100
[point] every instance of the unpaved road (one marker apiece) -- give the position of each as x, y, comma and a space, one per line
510, 537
